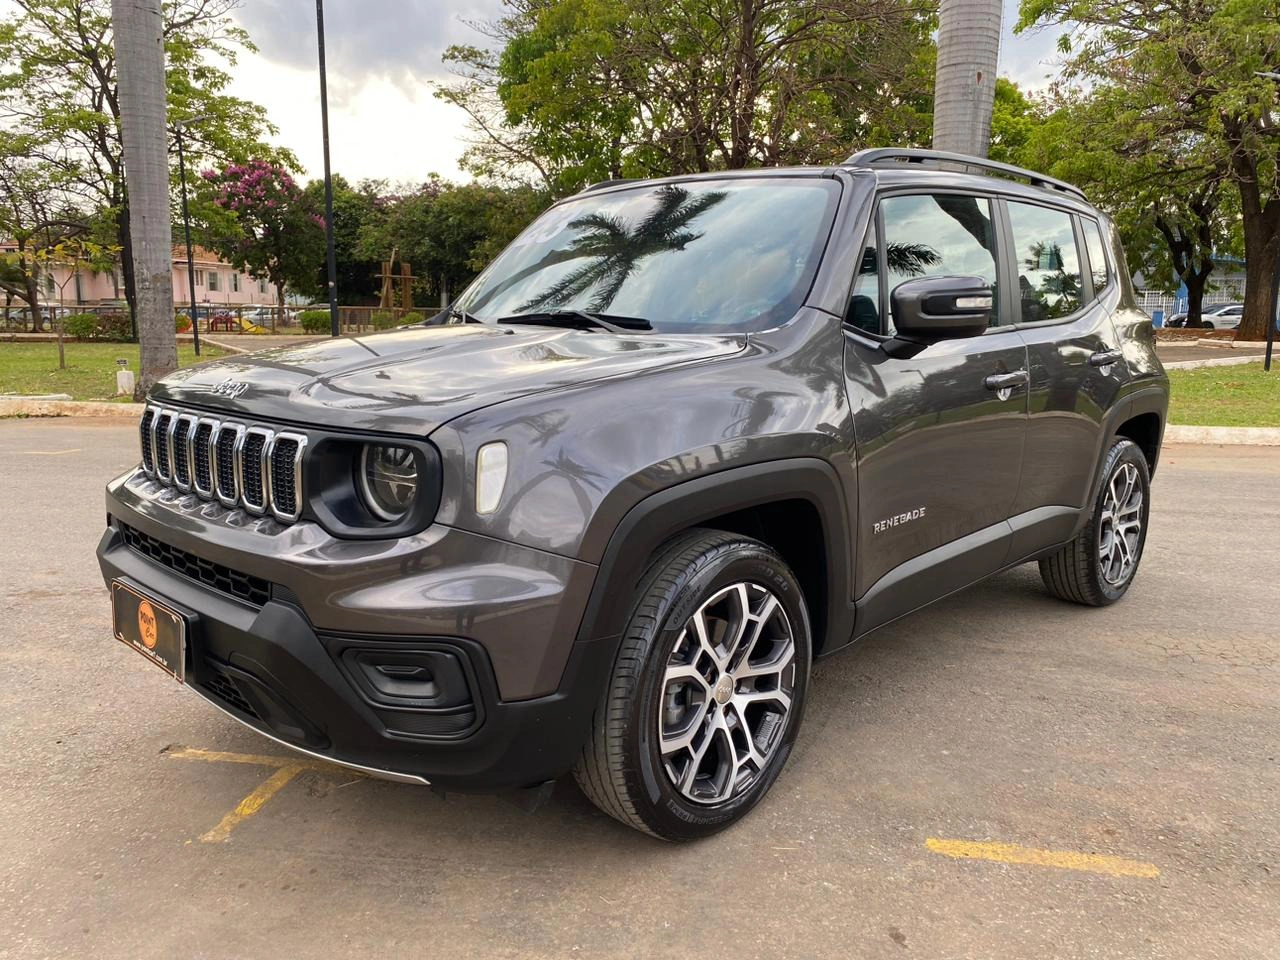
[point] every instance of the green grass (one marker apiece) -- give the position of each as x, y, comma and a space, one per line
1237, 396
91, 367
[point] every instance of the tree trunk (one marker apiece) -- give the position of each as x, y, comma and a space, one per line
280, 303
140, 58
965, 80
33, 293
1262, 260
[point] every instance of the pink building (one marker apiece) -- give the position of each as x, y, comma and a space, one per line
217, 282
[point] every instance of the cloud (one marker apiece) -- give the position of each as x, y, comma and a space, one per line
1029, 59
396, 39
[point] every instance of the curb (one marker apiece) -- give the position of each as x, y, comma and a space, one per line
223, 345
19, 407
1233, 344
1234, 436
1213, 362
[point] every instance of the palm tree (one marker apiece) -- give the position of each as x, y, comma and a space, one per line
139, 43
965, 79
616, 247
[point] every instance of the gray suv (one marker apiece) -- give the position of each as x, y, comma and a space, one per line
680, 439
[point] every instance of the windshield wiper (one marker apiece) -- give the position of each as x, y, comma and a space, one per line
604, 321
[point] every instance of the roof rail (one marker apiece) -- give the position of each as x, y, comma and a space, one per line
883, 155
608, 183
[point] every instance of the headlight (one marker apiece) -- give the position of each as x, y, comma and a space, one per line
388, 480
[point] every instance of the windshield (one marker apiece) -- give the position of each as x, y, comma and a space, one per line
718, 256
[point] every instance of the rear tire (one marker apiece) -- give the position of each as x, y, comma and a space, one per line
1098, 566
707, 689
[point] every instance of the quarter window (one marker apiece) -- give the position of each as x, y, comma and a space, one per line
1097, 255
1044, 243
937, 235
864, 301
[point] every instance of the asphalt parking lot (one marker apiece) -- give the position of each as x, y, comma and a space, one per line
1002, 775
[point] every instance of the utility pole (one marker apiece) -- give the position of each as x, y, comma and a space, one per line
330, 253
964, 86
139, 44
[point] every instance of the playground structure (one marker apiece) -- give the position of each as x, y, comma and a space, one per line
390, 296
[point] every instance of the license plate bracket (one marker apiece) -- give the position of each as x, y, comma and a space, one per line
150, 626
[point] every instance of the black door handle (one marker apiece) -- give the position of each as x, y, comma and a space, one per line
1006, 381
1105, 358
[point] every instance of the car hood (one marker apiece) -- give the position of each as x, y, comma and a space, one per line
414, 379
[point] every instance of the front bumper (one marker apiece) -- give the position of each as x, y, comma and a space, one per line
291, 630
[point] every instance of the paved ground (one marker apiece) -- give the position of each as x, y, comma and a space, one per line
1146, 734
1171, 351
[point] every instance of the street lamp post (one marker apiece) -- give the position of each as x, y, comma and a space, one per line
186, 227
1274, 316
330, 253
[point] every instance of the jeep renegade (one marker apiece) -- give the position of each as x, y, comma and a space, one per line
679, 439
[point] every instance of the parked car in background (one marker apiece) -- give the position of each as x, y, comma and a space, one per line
264, 315
1219, 316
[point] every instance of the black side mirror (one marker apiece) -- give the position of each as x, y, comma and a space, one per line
941, 308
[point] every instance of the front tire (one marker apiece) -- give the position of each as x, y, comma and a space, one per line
1098, 566
707, 690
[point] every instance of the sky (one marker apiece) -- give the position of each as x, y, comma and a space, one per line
383, 57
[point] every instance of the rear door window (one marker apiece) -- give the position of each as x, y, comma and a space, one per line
1044, 244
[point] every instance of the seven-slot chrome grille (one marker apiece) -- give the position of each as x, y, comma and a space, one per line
253, 467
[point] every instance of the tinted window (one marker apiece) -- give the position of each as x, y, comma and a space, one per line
943, 235
1048, 265
706, 256
864, 301
1097, 257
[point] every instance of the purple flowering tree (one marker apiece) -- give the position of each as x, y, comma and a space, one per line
262, 222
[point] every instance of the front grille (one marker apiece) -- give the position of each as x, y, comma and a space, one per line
202, 459
242, 586
251, 467
224, 688
183, 427
148, 460
160, 434
228, 436
253, 493
283, 482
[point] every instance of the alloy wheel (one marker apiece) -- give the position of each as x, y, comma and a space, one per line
1120, 533
727, 693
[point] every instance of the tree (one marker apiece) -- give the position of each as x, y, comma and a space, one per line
1014, 120
264, 224
1168, 203
36, 213
353, 209
449, 232
585, 90
1189, 77
139, 35
59, 88
77, 253
968, 51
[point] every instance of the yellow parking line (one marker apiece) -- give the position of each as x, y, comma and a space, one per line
286, 769
46, 453
251, 804
1061, 859
256, 759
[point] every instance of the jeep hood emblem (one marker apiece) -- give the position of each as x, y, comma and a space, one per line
229, 388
